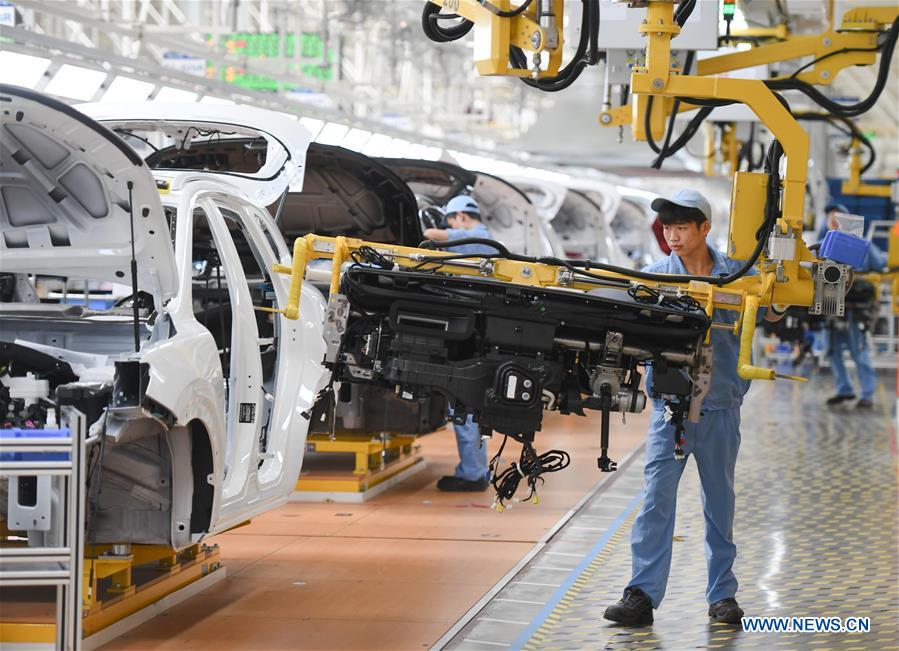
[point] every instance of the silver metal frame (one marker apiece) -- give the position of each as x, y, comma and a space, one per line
59, 566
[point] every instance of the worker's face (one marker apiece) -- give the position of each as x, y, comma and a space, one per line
457, 220
685, 239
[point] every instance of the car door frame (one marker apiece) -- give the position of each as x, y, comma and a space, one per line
254, 482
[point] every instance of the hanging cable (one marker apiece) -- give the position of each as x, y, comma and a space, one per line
586, 54
847, 110
847, 127
683, 12
530, 466
430, 16
520, 9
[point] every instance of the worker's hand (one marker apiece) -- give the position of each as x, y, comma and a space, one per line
776, 312
436, 234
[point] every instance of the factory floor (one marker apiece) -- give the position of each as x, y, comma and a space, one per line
816, 531
395, 572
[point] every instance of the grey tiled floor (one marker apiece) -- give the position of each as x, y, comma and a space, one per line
816, 531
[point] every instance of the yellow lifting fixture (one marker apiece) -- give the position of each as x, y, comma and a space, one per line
854, 184
744, 296
498, 27
782, 278
853, 44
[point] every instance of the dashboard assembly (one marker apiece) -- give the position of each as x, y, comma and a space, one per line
507, 352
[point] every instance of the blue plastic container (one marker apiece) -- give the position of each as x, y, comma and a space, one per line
845, 248
18, 433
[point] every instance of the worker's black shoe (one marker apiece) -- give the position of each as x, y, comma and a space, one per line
634, 609
726, 611
839, 398
452, 484
864, 403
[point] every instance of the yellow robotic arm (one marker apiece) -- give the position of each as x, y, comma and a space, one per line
533, 26
853, 44
855, 185
767, 210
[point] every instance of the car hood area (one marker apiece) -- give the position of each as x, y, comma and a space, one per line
348, 193
76, 200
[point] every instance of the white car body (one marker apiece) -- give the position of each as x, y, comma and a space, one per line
579, 222
231, 447
506, 211
632, 225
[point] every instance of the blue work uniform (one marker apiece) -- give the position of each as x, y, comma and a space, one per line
472, 464
479, 230
713, 442
855, 340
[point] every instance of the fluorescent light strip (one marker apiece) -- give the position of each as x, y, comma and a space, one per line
175, 95
126, 89
75, 82
22, 69
355, 139
332, 133
313, 125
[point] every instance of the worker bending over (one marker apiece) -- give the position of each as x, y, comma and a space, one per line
713, 441
463, 216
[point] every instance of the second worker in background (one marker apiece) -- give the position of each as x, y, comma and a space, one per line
463, 216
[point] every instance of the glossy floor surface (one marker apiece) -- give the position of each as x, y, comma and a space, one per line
393, 573
816, 532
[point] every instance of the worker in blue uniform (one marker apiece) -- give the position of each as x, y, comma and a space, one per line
851, 332
713, 441
463, 216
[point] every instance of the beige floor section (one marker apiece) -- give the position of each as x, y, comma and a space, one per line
393, 573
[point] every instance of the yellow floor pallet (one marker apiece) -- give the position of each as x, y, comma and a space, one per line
120, 581
378, 462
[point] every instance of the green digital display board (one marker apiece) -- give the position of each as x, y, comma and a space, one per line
271, 45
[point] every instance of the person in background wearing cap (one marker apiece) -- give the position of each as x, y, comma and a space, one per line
850, 331
463, 215
713, 441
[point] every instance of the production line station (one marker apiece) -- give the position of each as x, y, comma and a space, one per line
449, 324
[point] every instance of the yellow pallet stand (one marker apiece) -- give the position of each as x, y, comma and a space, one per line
119, 581
377, 458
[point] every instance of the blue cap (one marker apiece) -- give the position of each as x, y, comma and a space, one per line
685, 199
462, 203
833, 205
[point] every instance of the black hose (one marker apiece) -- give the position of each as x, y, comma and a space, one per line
683, 12
657, 163
846, 110
808, 65
772, 212
430, 16
682, 140
688, 64
586, 54
851, 130
520, 9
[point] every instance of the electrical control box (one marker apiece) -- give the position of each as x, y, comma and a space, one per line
619, 27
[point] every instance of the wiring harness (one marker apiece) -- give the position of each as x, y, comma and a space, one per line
530, 467
652, 296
